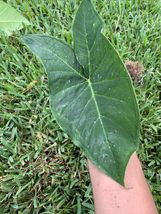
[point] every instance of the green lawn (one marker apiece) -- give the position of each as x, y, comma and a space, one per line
41, 171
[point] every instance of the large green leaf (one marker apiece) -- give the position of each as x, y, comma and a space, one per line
10, 19
91, 93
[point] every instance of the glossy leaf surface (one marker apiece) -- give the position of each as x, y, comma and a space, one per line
91, 93
10, 19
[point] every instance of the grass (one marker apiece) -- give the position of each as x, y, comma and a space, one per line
41, 171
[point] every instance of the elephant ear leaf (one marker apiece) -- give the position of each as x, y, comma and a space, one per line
91, 93
10, 19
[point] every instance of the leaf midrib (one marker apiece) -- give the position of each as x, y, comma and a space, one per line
98, 112
88, 51
90, 85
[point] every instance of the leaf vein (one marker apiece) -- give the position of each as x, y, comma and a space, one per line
110, 98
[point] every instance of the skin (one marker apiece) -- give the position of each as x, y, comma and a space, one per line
112, 198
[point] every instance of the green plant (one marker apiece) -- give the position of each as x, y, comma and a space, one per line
91, 94
10, 19
35, 154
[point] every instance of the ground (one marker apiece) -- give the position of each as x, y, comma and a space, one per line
41, 171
